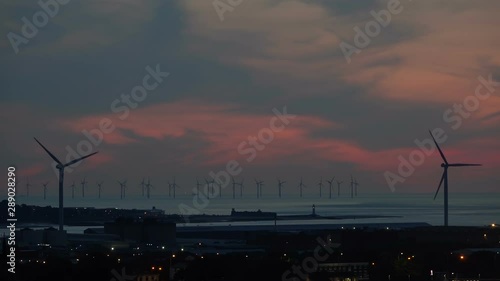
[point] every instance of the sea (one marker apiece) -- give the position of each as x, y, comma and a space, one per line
465, 209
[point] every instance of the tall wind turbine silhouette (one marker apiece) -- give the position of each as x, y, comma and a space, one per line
352, 187
330, 182
60, 166
444, 178
45, 190
99, 187
210, 186
338, 187
320, 184
83, 182
301, 185
280, 186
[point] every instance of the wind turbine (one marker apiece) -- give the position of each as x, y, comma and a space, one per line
301, 185
330, 182
444, 178
99, 187
72, 190
352, 187
241, 188
320, 184
83, 182
280, 186
123, 185
174, 186
356, 187
142, 184
27, 187
198, 184
45, 190
234, 186
148, 188
338, 187
210, 185
60, 166
259, 187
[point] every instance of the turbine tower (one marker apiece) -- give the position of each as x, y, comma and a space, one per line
330, 182
148, 188
241, 188
60, 166
356, 187
280, 186
83, 182
210, 186
174, 186
142, 184
27, 187
259, 185
444, 178
123, 185
99, 187
320, 184
198, 184
45, 190
73, 190
234, 187
338, 187
352, 187
301, 185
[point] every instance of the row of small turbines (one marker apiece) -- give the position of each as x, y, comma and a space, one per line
60, 166
209, 184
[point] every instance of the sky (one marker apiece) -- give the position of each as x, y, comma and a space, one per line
323, 88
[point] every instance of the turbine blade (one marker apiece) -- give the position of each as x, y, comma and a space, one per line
79, 159
440, 183
463, 165
440, 152
51, 155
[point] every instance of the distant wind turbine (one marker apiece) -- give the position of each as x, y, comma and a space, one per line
45, 190
148, 188
83, 182
320, 184
338, 187
198, 184
123, 185
60, 166
73, 190
352, 187
142, 184
301, 185
174, 186
241, 188
444, 178
356, 187
210, 186
280, 186
234, 187
28, 187
330, 182
259, 185
99, 188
